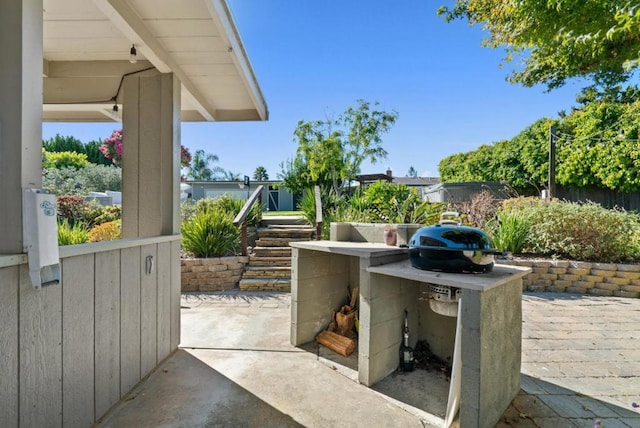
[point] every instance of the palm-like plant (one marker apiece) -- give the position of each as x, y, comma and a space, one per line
260, 174
200, 169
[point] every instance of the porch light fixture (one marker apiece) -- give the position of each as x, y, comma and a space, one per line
133, 55
114, 110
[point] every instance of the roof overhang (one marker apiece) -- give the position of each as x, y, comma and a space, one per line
86, 52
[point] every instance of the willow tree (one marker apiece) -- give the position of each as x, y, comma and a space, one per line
557, 40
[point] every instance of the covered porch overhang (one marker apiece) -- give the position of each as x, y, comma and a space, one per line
73, 349
87, 51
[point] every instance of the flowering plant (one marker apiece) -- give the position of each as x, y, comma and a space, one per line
185, 157
111, 148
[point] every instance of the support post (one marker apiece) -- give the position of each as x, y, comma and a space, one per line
552, 162
20, 114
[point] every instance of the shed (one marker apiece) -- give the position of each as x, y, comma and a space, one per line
461, 192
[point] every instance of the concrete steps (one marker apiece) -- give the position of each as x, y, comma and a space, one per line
271, 261
269, 267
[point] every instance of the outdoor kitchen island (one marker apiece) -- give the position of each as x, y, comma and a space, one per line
490, 324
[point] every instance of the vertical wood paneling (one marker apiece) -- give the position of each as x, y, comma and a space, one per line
175, 294
107, 331
164, 301
149, 309
129, 318
150, 161
9, 281
40, 347
78, 341
130, 157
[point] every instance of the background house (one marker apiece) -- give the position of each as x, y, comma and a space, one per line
274, 197
418, 183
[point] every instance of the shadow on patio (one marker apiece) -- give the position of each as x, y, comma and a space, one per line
237, 368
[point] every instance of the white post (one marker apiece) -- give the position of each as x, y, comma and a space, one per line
151, 155
20, 113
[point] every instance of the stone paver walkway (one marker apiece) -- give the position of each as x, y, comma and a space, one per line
580, 362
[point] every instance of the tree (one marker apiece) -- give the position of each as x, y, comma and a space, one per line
364, 139
226, 175
94, 155
556, 40
596, 147
331, 152
200, 170
63, 144
412, 172
260, 174
71, 144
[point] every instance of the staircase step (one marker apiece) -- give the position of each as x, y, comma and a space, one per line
272, 284
270, 232
271, 251
269, 261
286, 220
267, 272
277, 242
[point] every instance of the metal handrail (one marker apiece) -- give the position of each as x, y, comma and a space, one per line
241, 218
318, 213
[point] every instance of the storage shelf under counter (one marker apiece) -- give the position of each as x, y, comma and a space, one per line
490, 324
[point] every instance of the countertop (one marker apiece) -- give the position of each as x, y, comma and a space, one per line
501, 274
347, 248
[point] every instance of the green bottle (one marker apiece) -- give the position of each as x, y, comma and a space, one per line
406, 351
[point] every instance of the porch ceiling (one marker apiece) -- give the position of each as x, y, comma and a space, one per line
86, 53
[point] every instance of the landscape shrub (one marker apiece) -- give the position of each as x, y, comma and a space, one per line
332, 203
72, 233
210, 233
479, 209
225, 203
76, 210
583, 232
109, 213
108, 231
91, 178
187, 210
393, 203
509, 230
64, 160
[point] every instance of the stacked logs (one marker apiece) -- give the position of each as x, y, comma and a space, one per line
340, 336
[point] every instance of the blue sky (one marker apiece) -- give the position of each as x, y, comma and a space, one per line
314, 59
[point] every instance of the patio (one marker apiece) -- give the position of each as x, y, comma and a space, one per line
236, 367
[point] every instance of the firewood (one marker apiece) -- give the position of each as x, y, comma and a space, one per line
340, 344
354, 297
345, 320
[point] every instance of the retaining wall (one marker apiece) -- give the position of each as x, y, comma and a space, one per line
212, 274
599, 279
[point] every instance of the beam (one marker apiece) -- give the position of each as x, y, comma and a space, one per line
120, 13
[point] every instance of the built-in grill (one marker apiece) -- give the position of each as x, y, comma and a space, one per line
450, 247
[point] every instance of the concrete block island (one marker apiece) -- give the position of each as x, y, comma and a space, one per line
489, 326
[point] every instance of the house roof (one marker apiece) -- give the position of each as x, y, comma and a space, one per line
87, 44
416, 181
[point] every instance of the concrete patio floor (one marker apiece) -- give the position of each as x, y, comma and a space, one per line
236, 368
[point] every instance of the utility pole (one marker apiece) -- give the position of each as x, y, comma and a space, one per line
552, 162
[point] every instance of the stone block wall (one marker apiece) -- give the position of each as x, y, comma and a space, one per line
599, 279
213, 274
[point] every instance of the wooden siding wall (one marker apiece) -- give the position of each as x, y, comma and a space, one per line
605, 197
68, 353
